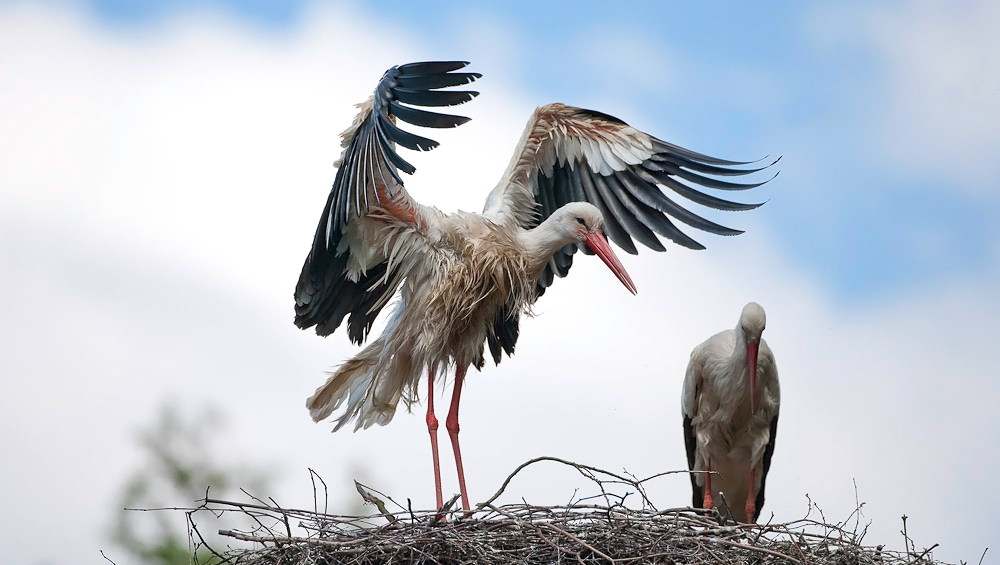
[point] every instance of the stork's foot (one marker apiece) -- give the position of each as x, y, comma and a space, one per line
707, 503
751, 509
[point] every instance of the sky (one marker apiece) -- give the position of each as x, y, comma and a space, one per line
163, 164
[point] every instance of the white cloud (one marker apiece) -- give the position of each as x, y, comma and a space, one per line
944, 88
935, 88
160, 196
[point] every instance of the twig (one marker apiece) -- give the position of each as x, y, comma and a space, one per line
593, 549
313, 475
926, 551
585, 470
444, 509
758, 549
193, 528
584, 531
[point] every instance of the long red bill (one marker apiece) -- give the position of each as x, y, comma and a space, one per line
599, 245
752, 368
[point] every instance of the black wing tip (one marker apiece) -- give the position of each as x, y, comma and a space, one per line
425, 76
307, 317
306, 320
431, 67
767, 166
763, 158
670, 148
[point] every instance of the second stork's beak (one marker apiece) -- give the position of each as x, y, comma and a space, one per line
599, 245
752, 369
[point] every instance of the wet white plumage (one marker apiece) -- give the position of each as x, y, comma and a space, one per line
722, 432
456, 277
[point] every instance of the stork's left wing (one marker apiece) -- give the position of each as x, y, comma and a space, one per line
347, 270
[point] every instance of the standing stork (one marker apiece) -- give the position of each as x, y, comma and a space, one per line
464, 280
730, 406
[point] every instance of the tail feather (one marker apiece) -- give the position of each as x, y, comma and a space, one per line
350, 382
371, 384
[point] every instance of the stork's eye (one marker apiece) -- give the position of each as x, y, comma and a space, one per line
581, 222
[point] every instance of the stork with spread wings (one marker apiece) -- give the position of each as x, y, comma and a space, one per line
464, 280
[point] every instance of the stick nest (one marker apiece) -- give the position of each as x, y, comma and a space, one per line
583, 532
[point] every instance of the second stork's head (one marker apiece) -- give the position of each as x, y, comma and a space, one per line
752, 322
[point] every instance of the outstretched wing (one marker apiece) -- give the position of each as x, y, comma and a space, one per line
347, 271
569, 154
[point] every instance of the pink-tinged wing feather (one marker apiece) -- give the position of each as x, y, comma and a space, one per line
349, 269
569, 154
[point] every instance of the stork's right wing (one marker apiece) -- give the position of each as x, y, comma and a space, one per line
348, 270
768, 453
569, 154
689, 409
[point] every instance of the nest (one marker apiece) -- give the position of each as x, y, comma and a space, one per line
606, 532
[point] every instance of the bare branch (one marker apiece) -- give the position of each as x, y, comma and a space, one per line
584, 531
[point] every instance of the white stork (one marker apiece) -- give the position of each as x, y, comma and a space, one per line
465, 279
730, 405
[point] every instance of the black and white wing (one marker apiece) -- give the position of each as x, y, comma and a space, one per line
690, 392
344, 276
569, 154
772, 433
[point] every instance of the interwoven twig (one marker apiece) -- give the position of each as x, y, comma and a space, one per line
607, 533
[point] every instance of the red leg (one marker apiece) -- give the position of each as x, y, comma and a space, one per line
707, 504
751, 507
452, 425
432, 429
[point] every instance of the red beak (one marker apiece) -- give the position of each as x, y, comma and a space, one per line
599, 245
752, 367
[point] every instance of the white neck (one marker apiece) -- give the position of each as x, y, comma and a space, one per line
542, 241
739, 357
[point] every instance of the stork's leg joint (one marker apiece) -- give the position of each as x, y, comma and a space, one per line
432, 428
451, 423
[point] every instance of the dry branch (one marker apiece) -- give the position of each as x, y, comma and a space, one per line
608, 533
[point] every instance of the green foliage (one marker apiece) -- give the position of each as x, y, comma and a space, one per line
180, 466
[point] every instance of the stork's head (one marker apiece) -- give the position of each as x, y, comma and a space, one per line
581, 222
752, 322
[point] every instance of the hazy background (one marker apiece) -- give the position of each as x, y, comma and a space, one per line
163, 164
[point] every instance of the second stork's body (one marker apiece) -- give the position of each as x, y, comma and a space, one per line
730, 406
